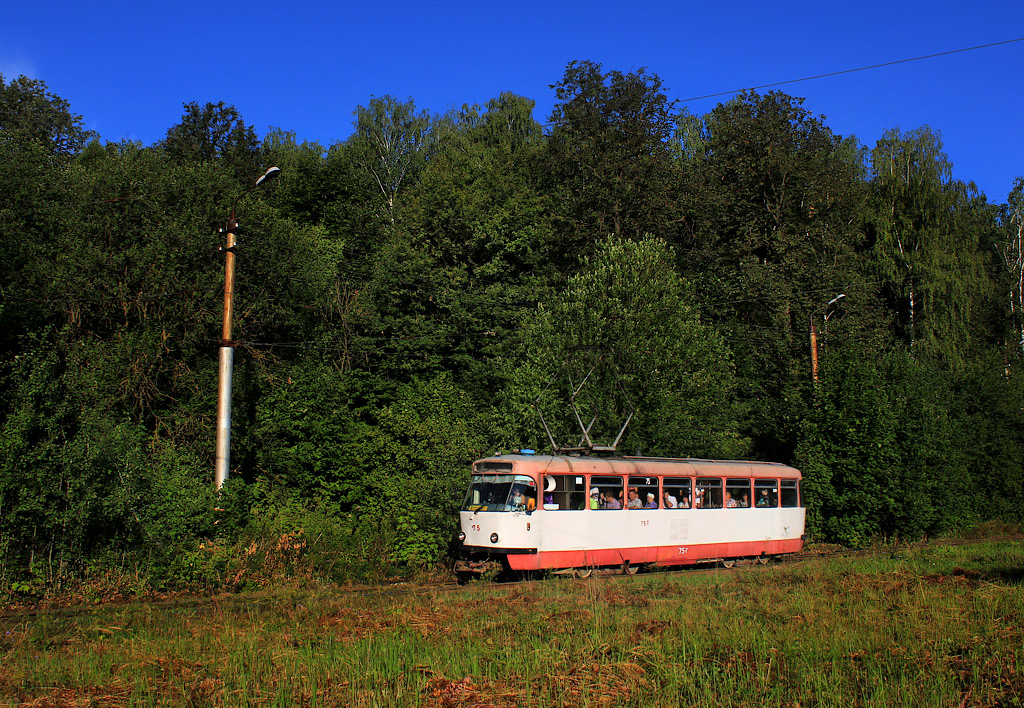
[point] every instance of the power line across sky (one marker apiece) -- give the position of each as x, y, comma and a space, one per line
127, 68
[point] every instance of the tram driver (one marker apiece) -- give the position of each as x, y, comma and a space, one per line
521, 500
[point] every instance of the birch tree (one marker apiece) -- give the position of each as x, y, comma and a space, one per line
397, 140
1012, 253
927, 230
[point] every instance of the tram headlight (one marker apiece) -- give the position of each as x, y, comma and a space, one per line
494, 538
462, 536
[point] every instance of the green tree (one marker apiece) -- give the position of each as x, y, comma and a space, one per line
849, 452
928, 231
214, 132
1012, 252
770, 233
477, 212
414, 462
666, 365
27, 108
396, 142
609, 164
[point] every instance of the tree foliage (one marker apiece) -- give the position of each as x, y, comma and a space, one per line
410, 297
29, 112
608, 156
628, 326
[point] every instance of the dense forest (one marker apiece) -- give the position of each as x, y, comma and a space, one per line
411, 297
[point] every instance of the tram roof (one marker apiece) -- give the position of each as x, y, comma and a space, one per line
644, 466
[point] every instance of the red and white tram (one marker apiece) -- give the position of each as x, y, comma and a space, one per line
536, 512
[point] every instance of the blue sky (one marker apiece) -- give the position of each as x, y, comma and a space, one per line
127, 68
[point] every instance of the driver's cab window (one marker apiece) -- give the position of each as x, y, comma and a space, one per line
501, 492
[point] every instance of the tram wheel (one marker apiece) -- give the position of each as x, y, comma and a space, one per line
583, 572
728, 562
763, 560
629, 569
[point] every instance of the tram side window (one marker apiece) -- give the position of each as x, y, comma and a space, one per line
675, 493
766, 493
646, 491
708, 494
565, 492
789, 494
737, 493
610, 492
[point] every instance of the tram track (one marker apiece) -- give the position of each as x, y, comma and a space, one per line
217, 602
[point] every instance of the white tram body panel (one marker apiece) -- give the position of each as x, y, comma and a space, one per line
520, 508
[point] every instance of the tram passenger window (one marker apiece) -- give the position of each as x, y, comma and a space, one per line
645, 486
737, 493
708, 494
565, 492
789, 494
675, 493
610, 492
766, 493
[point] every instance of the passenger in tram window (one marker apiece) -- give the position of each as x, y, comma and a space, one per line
763, 500
634, 499
744, 501
730, 503
651, 501
670, 501
685, 503
610, 502
595, 498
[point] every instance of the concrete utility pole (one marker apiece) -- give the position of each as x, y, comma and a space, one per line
227, 345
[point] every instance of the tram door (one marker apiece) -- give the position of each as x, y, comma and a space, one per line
565, 501
766, 497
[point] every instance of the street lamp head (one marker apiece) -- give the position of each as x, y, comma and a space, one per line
836, 299
268, 175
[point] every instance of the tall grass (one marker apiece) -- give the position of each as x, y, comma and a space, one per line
933, 627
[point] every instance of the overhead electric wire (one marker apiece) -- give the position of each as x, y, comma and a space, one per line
850, 71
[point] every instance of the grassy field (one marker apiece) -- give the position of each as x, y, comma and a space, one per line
938, 626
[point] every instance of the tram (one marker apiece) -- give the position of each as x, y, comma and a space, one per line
525, 512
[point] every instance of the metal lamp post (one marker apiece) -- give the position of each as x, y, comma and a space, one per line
227, 345
814, 335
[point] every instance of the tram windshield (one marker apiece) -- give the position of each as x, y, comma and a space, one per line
501, 492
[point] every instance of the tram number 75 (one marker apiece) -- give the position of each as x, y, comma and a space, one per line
476, 527
683, 550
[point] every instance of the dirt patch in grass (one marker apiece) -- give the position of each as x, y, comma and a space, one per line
991, 682
651, 628
612, 683
91, 697
442, 692
349, 623
615, 597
